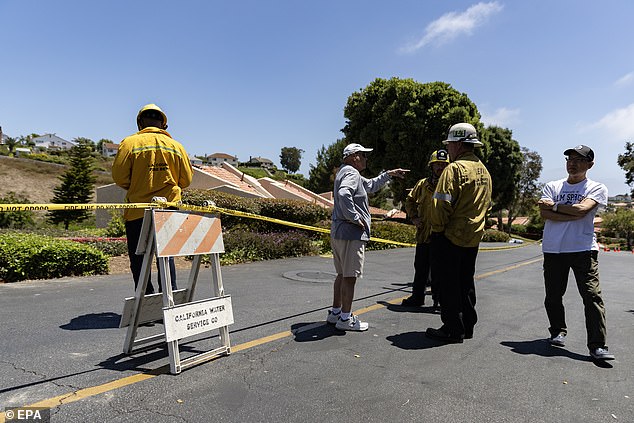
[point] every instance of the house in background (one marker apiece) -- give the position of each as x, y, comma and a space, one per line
109, 149
53, 142
195, 161
260, 162
218, 159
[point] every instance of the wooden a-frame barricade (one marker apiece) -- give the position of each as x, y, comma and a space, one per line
168, 233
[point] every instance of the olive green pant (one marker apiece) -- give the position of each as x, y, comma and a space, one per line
585, 267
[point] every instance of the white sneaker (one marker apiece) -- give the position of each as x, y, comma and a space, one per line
353, 323
601, 353
558, 341
332, 317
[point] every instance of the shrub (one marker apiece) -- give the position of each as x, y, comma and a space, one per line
29, 256
48, 158
519, 229
293, 211
243, 246
493, 235
109, 246
116, 226
392, 231
290, 210
17, 219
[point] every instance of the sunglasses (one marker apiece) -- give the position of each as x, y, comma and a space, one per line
577, 159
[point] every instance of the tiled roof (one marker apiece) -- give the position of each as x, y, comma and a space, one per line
222, 156
227, 176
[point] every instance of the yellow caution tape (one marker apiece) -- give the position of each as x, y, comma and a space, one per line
161, 204
49, 207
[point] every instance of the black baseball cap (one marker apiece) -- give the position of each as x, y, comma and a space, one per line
583, 150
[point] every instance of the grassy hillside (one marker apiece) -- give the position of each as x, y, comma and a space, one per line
36, 180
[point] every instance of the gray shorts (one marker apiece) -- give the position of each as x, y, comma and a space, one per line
348, 257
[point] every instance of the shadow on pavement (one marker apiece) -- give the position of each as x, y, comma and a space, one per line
408, 309
108, 320
315, 331
543, 348
414, 341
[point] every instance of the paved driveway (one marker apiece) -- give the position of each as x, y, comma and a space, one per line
62, 348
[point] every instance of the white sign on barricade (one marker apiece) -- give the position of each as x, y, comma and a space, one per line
194, 318
168, 233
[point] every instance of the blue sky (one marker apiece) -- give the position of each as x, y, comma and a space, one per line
250, 77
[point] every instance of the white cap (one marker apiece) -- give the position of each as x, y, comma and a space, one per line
354, 148
464, 132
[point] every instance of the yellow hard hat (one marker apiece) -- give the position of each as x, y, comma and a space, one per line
439, 156
157, 112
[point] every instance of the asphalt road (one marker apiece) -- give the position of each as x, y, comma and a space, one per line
62, 348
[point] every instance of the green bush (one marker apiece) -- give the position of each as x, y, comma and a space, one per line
243, 246
109, 246
294, 211
392, 231
48, 158
16, 219
116, 226
519, 229
493, 235
29, 256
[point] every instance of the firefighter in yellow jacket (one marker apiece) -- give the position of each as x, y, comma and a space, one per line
418, 207
461, 202
149, 164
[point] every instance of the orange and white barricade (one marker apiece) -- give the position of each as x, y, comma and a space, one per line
168, 233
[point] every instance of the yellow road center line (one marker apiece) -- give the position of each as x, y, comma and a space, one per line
129, 380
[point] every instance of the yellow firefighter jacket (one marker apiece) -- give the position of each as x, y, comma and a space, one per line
462, 200
418, 205
151, 164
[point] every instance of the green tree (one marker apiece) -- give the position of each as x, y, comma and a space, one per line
626, 161
404, 121
291, 159
88, 142
321, 176
528, 187
78, 183
621, 222
504, 164
11, 142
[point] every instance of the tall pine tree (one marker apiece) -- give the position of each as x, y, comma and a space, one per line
77, 187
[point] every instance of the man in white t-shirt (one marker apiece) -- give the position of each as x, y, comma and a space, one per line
569, 207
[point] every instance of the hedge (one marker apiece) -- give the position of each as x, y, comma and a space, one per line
493, 235
29, 256
294, 211
243, 246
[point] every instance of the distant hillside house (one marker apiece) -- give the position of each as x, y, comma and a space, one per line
260, 162
195, 161
109, 149
53, 142
218, 159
